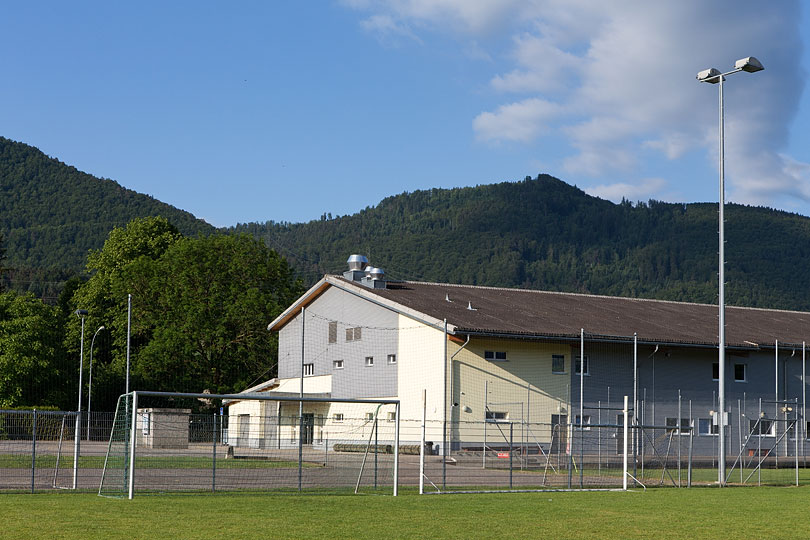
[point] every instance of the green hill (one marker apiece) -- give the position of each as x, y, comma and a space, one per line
51, 214
543, 233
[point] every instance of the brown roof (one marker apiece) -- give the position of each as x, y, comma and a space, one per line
521, 312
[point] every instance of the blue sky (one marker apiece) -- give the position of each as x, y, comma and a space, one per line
255, 111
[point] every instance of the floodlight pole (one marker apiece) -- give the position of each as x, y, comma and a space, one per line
713, 76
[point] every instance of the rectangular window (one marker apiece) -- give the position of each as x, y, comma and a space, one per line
354, 334
337, 364
333, 332
369, 416
740, 373
557, 363
369, 361
763, 429
495, 416
707, 426
392, 416
672, 425
337, 417
309, 369
495, 356
578, 365
586, 427
715, 371
392, 359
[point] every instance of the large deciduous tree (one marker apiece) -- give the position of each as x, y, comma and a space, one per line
200, 308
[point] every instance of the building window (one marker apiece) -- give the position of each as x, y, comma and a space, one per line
333, 332
672, 425
392, 359
707, 426
309, 369
337, 417
581, 427
715, 371
763, 429
369, 361
578, 365
392, 416
557, 363
740, 374
354, 334
369, 416
495, 416
337, 364
495, 356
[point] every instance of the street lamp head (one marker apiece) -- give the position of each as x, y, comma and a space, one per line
100, 328
81, 312
750, 64
711, 76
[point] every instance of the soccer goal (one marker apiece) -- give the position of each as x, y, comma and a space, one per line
163, 442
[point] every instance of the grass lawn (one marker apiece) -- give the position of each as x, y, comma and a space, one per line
730, 513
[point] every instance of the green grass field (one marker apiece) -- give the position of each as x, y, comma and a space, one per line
729, 513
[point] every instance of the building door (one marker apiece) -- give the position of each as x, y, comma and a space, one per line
559, 433
307, 428
243, 433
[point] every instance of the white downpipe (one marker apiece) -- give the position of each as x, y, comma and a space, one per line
422, 447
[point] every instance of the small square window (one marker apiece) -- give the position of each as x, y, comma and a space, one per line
672, 425
369, 416
369, 361
495, 356
337, 417
557, 363
337, 364
579, 426
309, 369
496, 416
764, 428
358, 333
578, 366
392, 359
740, 374
707, 426
392, 416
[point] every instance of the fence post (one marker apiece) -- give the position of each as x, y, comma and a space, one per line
511, 450
33, 450
624, 449
422, 445
396, 449
214, 455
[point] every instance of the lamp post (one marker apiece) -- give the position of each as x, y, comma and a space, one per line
82, 313
90, 380
713, 76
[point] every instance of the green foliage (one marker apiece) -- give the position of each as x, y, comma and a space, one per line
31, 355
200, 308
544, 234
51, 214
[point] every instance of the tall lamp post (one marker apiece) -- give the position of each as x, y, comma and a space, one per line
82, 313
90, 380
713, 76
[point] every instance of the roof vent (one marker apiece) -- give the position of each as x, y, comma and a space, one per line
377, 273
357, 262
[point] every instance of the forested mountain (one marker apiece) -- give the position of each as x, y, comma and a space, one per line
51, 214
543, 233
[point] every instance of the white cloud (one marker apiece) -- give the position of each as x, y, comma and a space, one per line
387, 28
521, 121
616, 83
643, 190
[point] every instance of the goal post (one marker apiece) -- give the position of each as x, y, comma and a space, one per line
168, 441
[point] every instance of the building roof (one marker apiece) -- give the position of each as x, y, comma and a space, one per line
543, 314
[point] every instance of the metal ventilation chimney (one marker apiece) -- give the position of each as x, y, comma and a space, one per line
357, 265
